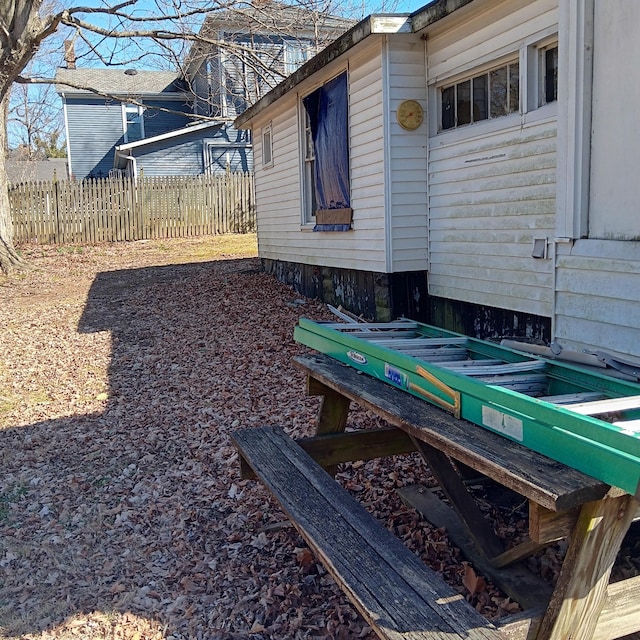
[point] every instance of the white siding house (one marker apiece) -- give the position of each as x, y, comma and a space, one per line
510, 208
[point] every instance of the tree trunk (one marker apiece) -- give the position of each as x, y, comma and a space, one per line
10, 261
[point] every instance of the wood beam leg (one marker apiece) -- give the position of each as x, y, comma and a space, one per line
462, 501
579, 596
334, 410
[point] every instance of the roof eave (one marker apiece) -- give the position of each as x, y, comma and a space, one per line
434, 12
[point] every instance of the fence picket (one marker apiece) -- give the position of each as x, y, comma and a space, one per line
116, 209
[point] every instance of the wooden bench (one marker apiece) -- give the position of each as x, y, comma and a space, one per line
399, 596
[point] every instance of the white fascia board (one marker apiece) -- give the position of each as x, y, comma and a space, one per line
171, 134
391, 24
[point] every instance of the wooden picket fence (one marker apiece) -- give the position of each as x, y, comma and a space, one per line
117, 209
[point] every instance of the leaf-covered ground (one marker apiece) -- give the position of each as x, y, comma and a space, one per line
123, 369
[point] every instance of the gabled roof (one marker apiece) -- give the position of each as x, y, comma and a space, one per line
169, 135
121, 82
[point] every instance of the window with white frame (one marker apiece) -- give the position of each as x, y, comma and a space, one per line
327, 188
483, 96
548, 62
267, 146
296, 53
133, 122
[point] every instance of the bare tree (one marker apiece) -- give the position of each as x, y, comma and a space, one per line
122, 32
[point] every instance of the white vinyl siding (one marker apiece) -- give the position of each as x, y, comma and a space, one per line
492, 186
615, 146
598, 295
488, 199
279, 192
598, 278
407, 158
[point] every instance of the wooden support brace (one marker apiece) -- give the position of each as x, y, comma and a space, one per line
331, 449
462, 501
579, 596
547, 526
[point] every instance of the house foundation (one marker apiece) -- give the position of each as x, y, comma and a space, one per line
385, 296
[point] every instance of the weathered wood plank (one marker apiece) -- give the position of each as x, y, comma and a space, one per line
396, 593
620, 615
549, 483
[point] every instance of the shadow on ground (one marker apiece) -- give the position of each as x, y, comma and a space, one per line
138, 509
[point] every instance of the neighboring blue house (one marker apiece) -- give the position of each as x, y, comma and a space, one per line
153, 121
96, 125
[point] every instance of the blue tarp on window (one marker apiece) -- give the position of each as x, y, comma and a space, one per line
328, 119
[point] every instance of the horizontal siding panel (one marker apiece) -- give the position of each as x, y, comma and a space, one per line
496, 216
523, 299
520, 266
606, 265
444, 236
492, 148
505, 199
506, 245
616, 312
594, 334
604, 285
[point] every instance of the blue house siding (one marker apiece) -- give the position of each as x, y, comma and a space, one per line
204, 151
158, 122
95, 127
171, 158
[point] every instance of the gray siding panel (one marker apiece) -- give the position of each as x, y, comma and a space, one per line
185, 155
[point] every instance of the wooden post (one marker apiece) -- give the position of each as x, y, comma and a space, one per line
334, 409
579, 595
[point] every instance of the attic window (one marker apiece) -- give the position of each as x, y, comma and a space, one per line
130, 72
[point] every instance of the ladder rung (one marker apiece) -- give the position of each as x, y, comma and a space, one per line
436, 355
629, 425
571, 398
397, 343
341, 326
606, 406
463, 364
528, 383
501, 368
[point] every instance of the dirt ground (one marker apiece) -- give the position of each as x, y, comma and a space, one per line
123, 369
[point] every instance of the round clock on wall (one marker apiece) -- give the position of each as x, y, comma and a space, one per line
409, 114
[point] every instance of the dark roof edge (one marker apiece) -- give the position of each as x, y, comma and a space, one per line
434, 12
